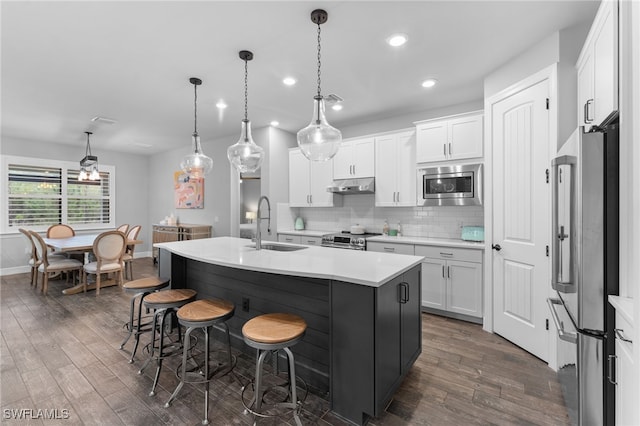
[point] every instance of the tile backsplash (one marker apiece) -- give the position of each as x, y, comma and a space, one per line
434, 222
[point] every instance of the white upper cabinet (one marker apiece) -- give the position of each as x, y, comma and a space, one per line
395, 170
598, 68
308, 181
355, 159
454, 138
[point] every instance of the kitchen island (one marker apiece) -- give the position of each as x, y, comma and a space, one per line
362, 310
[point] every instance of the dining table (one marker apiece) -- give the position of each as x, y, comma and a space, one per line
81, 243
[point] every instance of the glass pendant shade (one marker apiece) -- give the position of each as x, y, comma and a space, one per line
319, 141
82, 175
196, 164
245, 155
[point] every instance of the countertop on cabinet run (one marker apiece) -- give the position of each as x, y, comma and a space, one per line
353, 266
425, 241
305, 232
624, 306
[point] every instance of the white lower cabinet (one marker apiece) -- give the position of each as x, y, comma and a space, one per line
626, 396
299, 239
452, 279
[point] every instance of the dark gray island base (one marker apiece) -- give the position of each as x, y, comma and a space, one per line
360, 342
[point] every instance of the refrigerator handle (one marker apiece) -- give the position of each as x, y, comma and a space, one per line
613, 381
561, 280
562, 333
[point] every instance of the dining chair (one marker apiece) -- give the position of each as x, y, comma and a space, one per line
108, 248
51, 263
60, 230
128, 253
124, 228
34, 261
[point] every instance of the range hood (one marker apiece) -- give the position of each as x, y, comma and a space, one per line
352, 186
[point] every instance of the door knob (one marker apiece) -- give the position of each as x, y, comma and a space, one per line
496, 247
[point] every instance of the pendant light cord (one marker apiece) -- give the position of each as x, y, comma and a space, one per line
319, 60
87, 150
195, 109
246, 73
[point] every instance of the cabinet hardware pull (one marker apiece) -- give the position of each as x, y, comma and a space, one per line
448, 271
446, 254
449, 148
610, 374
403, 292
354, 169
586, 116
496, 247
444, 147
443, 272
391, 249
621, 336
398, 197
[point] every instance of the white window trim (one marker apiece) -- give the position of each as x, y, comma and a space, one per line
64, 165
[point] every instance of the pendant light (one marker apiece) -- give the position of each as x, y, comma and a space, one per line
196, 164
319, 141
89, 164
245, 155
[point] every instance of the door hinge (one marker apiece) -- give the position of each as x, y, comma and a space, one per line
546, 173
547, 250
546, 323
547, 103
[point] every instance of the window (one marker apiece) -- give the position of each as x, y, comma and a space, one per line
38, 193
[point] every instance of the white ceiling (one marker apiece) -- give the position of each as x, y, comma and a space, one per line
64, 63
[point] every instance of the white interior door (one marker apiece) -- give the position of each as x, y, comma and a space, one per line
521, 217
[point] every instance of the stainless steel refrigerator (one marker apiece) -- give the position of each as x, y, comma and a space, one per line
585, 271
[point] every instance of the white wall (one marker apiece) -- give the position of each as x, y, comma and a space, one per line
132, 191
563, 48
216, 185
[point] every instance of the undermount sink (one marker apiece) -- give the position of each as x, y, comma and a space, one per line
278, 247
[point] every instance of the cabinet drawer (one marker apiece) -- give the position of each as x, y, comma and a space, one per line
310, 241
285, 238
437, 252
390, 247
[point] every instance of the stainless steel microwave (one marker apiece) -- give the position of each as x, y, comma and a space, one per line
456, 185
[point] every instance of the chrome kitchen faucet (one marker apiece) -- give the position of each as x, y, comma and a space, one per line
259, 220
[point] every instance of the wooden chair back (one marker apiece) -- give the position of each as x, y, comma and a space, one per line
132, 235
34, 253
41, 248
109, 248
60, 230
124, 228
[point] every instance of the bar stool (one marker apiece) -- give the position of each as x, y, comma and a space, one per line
271, 333
141, 288
164, 303
202, 314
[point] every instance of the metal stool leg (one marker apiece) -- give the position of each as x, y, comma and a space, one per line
130, 325
205, 421
160, 354
185, 350
138, 327
292, 381
153, 340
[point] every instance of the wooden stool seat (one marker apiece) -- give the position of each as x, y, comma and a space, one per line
171, 296
145, 284
205, 310
274, 328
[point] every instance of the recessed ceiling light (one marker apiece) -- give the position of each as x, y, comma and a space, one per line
397, 40
289, 81
336, 107
429, 83
274, 123
221, 104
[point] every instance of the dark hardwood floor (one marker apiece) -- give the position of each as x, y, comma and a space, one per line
61, 353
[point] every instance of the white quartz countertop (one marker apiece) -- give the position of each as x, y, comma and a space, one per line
305, 232
354, 266
425, 241
623, 306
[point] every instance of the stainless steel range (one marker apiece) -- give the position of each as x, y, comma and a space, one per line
347, 240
